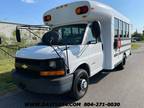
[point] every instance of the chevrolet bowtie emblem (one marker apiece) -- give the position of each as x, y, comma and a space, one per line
24, 66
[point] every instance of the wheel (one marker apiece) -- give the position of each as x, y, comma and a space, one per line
124, 60
80, 84
121, 65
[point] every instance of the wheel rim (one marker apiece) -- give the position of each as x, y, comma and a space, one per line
82, 85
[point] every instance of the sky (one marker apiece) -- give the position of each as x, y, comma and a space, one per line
31, 11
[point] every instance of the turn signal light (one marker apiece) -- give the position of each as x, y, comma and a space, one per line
52, 73
82, 10
47, 18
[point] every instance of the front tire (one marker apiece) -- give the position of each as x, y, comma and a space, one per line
80, 84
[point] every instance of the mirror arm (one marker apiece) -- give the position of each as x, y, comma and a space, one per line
59, 55
33, 33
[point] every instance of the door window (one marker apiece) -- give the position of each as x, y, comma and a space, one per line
90, 38
94, 34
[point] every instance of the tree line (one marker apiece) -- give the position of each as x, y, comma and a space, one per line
138, 36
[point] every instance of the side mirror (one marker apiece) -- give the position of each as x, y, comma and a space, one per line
0, 40
18, 36
96, 29
51, 38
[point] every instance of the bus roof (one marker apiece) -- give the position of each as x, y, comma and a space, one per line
66, 14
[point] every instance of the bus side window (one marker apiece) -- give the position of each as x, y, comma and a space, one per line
127, 31
116, 27
124, 29
121, 28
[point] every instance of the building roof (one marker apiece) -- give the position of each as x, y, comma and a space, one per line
5, 22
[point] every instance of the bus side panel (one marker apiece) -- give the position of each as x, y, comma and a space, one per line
107, 40
125, 50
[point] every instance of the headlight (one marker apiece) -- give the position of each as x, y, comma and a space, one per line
52, 64
55, 67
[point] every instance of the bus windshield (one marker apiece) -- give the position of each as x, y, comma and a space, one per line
71, 34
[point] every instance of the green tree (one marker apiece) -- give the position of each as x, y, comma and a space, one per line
137, 36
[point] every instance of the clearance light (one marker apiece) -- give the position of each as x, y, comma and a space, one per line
47, 18
52, 73
82, 10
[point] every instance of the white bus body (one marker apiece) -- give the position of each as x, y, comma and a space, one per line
110, 49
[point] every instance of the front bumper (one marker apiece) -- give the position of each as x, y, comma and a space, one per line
44, 85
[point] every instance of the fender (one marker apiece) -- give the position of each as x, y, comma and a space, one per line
74, 68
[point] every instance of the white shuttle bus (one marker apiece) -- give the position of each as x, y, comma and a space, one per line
85, 38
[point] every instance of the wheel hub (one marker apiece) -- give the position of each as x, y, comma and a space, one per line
83, 84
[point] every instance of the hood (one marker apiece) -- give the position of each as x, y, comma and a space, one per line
39, 52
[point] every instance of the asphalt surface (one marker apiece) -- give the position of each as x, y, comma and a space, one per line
123, 86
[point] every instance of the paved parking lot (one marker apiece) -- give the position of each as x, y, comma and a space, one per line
123, 86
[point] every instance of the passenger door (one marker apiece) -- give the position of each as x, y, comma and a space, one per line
95, 49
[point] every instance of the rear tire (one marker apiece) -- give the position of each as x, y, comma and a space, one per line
121, 65
80, 84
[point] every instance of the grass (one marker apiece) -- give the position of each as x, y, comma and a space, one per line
135, 46
6, 65
142, 41
6, 81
